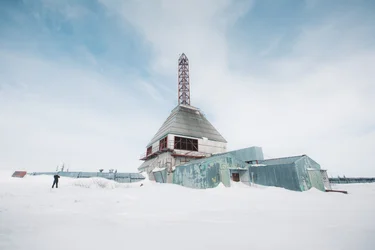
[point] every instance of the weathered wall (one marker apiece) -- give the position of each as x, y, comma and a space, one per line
293, 175
208, 172
316, 179
245, 177
276, 175
302, 165
197, 175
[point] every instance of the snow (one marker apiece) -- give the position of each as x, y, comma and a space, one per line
157, 169
100, 214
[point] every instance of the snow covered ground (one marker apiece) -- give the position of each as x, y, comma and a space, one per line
100, 214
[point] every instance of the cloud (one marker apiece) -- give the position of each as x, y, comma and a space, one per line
53, 111
315, 100
309, 91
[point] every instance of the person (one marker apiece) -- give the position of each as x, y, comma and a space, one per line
56, 181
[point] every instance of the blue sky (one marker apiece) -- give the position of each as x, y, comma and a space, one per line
89, 83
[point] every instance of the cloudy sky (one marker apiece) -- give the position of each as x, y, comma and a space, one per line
89, 83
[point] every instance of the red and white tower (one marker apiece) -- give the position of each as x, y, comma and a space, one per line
183, 80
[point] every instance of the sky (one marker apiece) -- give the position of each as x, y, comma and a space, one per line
88, 83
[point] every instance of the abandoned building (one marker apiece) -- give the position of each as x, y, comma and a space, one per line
187, 150
185, 135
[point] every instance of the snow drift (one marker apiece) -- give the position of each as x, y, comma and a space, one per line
100, 214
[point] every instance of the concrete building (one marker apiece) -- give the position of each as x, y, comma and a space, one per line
184, 136
189, 151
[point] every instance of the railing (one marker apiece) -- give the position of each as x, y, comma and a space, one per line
345, 180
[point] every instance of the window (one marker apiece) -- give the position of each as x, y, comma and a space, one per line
185, 143
149, 150
163, 143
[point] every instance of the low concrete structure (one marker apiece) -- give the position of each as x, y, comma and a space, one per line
118, 177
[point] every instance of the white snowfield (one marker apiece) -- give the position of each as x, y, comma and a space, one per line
100, 214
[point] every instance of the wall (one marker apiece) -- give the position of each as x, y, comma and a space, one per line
293, 175
316, 179
245, 177
205, 148
208, 172
197, 175
276, 175
302, 165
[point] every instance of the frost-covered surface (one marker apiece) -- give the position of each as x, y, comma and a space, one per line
100, 214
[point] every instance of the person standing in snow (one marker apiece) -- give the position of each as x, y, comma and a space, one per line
56, 181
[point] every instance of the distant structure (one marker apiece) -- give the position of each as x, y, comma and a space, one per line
183, 80
118, 177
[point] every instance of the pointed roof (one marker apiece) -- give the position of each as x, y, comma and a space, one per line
187, 121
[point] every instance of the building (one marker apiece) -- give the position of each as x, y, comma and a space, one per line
299, 173
187, 150
184, 136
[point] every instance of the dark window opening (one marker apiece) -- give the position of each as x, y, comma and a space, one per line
149, 150
236, 177
185, 143
163, 143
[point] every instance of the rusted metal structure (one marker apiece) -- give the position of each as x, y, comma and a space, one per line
183, 80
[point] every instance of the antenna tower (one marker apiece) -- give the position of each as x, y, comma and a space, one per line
183, 80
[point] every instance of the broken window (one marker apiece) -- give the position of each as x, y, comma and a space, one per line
149, 150
185, 143
163, 143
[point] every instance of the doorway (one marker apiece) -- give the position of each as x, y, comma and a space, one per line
236, 177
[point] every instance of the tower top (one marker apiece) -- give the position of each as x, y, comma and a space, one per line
183, 80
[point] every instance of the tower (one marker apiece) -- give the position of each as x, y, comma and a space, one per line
185, 135
183, 80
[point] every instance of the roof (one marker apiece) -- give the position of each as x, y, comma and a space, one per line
281, 161
248, 154
187, 121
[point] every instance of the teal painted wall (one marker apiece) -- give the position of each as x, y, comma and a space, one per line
289, 173
276, 175
208, 172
